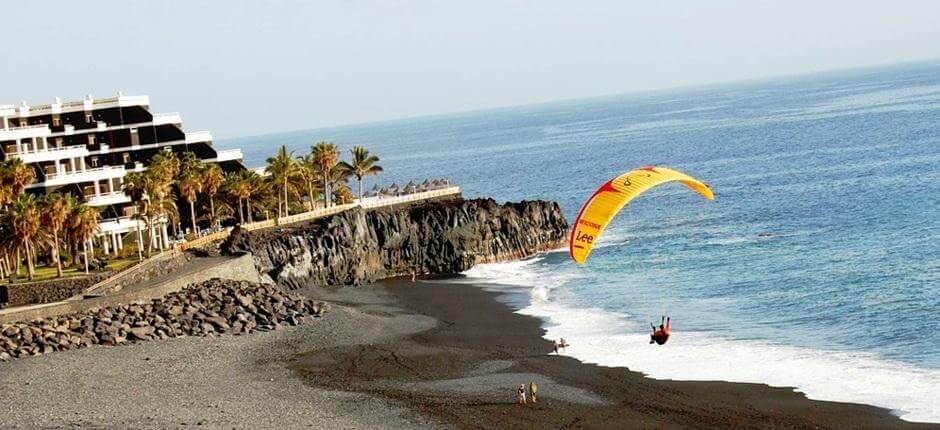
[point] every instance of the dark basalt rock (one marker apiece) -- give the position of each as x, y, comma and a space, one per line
442, 237
212, 307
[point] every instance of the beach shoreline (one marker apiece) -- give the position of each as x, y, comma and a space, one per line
395, 354
464, 370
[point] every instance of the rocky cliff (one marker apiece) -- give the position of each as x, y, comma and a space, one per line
359, 246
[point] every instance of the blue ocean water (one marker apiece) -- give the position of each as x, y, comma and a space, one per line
818, 265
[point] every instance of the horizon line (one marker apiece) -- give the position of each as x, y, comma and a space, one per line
748, 81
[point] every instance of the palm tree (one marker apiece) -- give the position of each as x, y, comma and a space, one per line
164, 166
83, 224
190, 186
212, 178
215, 213
308, 173
17, 175
362, 164
237, 187
282, 168
325, 154
55, 212
23, 221
135, 186
339, 185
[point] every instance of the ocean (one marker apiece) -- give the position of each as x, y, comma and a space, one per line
816, 267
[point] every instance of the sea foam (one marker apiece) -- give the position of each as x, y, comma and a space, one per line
613, 339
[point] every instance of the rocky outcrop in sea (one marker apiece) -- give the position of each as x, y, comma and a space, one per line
442, 237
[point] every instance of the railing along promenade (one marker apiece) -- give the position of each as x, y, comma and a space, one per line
370, 203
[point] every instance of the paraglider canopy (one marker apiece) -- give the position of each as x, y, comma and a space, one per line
613, 195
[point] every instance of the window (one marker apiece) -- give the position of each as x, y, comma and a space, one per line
56, 121
127, 157
89, 117
91, 140
58, 142
94, 161
24, 122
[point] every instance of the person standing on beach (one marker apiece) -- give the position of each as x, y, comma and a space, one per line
532, 390
522, 394
562, 343
556, 346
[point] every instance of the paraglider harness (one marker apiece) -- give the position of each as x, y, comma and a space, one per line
661, 335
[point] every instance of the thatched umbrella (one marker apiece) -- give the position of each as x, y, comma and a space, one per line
411, 187
393, 189
426, 185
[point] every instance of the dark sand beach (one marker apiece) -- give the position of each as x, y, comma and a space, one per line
397, 354
464, 371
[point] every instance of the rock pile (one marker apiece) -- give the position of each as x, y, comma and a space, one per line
212, 307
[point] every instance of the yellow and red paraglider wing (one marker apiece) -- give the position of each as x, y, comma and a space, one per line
611, 197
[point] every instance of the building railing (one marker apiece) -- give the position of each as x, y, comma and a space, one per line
15, 150
26, 127
56, 175
322, 212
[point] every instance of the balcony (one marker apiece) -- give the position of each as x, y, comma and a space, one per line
198, 137
48, 154
120, 225
86, 175
226, 155
106, 199
166, 118
25, 132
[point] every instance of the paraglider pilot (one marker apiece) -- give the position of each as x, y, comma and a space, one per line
660, 335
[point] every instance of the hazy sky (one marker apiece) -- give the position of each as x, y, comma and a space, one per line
252, 67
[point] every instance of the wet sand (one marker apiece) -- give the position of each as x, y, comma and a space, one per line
465, 370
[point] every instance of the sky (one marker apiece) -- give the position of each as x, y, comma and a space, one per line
241, 68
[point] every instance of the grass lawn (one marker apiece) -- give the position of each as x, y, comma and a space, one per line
45, 273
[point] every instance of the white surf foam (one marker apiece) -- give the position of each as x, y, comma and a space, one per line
611, 339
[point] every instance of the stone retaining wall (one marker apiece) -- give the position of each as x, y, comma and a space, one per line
237, 269
49, 291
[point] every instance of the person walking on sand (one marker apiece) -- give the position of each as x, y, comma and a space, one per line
661, 335
532, 390
522, 394
555, 342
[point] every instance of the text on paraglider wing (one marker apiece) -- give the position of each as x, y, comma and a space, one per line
589, 224
584, 237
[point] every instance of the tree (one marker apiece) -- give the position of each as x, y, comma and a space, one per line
339, 185
153, 191
23, 222
17, 175
189, 181
135, 187
282, 168
362, 164
212, 178
83, 224
190, 185
308, 173
237, 188
215, 213
325, 154
55, 212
